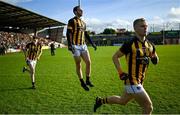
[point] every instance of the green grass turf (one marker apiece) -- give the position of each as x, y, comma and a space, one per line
58, 88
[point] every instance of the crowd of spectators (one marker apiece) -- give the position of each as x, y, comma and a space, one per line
11, 40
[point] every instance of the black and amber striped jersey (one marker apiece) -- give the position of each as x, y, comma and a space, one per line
137, 56
77, 28
33, 50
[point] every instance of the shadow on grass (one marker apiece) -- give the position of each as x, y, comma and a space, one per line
16, 89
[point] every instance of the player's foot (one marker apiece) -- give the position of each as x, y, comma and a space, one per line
24, 69
97, 103
89, 83
84, 86
33, 87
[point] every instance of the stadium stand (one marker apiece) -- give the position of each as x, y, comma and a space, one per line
16, 25
158, 38
20, 18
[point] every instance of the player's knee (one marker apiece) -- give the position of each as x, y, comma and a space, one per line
88, 63
123, 102
149, 108
33, 72
78, 62
78, 65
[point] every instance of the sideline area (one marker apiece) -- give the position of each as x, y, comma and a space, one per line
12, 50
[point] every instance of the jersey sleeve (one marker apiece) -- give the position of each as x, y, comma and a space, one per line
126, 48
70, 28
27, 46
154, 49
70, 25
40, 45
84, 25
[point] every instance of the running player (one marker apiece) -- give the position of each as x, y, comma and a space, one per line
32, 54
138, 52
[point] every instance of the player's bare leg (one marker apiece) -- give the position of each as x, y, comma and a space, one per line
32, 74
122, 100
144, 101
86, 57
79, 71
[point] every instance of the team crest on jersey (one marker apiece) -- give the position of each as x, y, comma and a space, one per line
138, 88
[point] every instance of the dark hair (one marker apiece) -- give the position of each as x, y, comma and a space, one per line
34, 37
138, 20
75, 8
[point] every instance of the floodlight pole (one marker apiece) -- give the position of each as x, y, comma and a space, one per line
179, 31
79, 2
163, 33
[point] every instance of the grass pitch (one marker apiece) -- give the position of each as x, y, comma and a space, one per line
59, 92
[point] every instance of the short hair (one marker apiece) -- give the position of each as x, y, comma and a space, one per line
75, 8
34, 37
138, 20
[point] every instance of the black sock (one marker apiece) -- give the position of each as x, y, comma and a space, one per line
87, 78
104, 101
33, 83
82, 81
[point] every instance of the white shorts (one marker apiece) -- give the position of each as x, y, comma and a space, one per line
32, 63
134, 88
79, 49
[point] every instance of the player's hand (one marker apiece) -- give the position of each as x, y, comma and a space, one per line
71, 48
27, 61
154, 58
94, 46
124, 76
38, 58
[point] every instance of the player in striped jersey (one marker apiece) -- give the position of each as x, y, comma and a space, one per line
138, 51
32, 54
76, 34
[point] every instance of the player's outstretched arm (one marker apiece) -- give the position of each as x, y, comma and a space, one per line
90, 41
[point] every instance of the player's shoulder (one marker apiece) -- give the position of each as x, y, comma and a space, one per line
39, 44
150, 43
71, 20
29, 43
129, 41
